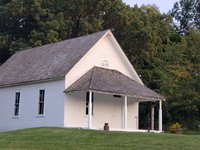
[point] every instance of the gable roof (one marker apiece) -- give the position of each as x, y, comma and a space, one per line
47, 62
112, 81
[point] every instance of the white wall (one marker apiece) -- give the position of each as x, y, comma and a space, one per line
28, 109
133, 114
106, 109
105, 50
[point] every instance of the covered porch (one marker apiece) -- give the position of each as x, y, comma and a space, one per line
112, 86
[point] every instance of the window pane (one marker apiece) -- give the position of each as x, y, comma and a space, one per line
17, 97
41, 101
16, 111
87, 102
16, 105
41, 108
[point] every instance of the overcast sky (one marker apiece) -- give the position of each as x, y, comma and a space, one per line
163, 5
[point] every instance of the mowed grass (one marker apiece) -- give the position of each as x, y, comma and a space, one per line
75, 139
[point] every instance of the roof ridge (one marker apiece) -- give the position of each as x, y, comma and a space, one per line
69, 39
119, 72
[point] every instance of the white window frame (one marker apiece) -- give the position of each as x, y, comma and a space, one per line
87, 103
17, 104
41, 102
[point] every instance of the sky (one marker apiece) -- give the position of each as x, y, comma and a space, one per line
163, 5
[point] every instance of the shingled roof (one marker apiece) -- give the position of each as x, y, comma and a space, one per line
112, 81
46, 62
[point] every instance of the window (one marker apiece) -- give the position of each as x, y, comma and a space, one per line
87, 102
17, 100
41, 102
117, 96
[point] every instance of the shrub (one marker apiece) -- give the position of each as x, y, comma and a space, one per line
175, 126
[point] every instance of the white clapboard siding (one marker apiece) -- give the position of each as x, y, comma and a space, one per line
28, 109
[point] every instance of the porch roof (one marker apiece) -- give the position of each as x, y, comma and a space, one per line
112, 81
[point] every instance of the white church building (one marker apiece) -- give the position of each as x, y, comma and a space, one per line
81, 82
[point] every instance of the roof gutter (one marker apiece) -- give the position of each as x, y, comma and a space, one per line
31, 82
145, 98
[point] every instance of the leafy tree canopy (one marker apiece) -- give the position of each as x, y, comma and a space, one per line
187, 15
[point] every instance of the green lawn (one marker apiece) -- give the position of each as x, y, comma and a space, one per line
75, 139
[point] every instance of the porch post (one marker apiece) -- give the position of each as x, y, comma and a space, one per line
125, 112
160, 115
90, 111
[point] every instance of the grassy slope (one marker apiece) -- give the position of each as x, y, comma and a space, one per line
58, 138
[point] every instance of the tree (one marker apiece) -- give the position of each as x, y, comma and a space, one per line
143, 41
181, 85
187, 15
34, 23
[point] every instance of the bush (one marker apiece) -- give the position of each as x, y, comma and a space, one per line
175, 126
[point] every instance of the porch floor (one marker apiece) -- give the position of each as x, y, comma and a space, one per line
120, 130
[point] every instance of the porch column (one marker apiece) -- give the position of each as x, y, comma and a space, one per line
90, 111
160, 116
125, 112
